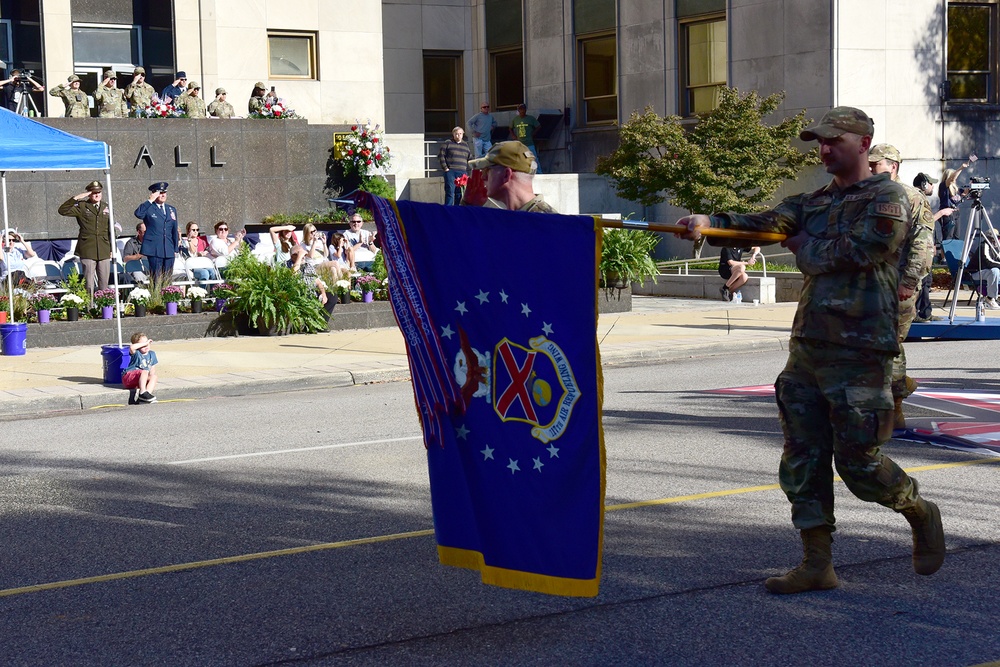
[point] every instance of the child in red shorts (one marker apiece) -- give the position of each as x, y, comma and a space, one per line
141, 372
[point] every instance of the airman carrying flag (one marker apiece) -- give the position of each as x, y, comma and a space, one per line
499, 312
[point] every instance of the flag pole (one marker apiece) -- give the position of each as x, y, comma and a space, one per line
711, 232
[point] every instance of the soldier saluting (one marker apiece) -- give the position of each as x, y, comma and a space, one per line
93, 243
110, 99
834, 398
77, 104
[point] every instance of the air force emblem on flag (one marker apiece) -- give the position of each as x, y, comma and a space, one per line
535, 385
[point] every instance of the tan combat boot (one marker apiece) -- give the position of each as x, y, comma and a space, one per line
815, 573
928, 536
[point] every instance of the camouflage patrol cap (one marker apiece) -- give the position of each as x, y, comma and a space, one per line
838, 121
108, 74
193, 85
220, 91
881, 152
95, 186
512, 154
259, 84
72, 78
138, 70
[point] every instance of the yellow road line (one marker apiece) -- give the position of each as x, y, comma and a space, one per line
398, 536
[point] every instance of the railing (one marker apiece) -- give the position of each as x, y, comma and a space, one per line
683, 266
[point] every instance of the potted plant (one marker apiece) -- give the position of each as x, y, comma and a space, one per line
105, 300
274, 299
43, 303
4, 307
139, 298
367, 283
171, 294
626, 257
71, 302
343, 288
221, 293
196, 294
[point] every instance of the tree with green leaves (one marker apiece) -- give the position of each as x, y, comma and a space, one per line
730, 160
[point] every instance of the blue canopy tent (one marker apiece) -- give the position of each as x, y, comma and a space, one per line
28, 145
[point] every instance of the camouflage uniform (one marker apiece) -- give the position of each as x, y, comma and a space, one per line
193, 106
537, 205
139, 95
833, 395
221, 109
77, 105
110, 102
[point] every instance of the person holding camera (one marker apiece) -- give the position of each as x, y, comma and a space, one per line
16, 250
77, 104
949, 196
20, 83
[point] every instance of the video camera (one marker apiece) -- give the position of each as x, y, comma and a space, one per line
977, 183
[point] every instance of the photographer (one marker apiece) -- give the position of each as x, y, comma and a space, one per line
15, 250
17, 85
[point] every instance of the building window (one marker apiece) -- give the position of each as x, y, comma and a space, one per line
704, 64
116, 46
598, 60
442, 91
292, 55
972, 52
507, 77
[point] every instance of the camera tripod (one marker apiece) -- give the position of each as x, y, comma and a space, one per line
975, 229
25, 100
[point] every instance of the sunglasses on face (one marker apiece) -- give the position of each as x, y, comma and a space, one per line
223, 229
194, 229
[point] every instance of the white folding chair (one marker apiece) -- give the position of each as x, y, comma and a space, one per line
193, 263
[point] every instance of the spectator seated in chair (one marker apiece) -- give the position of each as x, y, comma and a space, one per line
195, 245
733, 269
17, 251
984, 265
221, 248
362, 242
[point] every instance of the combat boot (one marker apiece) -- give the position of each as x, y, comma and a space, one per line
928, 536
899, 420
815, 573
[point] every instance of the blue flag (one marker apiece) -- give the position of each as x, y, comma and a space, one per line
499, 313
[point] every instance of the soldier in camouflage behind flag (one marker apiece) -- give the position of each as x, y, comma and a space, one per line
916, 256
834, 399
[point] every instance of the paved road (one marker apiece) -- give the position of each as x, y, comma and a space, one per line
319, 499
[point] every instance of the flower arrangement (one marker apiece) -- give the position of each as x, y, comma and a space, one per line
70, 300
42, 301
159, 110
223, 291
171, 294
365, 151
197, 293
277, 110
462, 180
104, 298
342, 286
366, 282
139, 296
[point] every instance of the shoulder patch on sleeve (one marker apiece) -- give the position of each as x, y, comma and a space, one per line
889, 209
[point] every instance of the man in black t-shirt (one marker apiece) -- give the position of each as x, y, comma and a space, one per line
733, 269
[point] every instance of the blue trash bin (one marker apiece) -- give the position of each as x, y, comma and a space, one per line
14, 338
116, 358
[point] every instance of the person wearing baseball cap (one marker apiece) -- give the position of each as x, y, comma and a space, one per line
256, 103
174, 90
192, 102
220, 108
109, 98
834, 400
77, 105
138, 93
915, 257
508, 171
159, 243
93, 242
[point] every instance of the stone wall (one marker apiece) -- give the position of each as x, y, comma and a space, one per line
237, 170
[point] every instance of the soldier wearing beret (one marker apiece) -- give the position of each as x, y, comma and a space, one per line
219, 107
93, 242
109, 98
191, 101
138, 93
916, 256
159, 244
834, 398
77, 104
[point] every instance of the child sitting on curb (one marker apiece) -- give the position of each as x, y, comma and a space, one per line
141, 372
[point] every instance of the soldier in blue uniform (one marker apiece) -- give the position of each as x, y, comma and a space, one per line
159, 245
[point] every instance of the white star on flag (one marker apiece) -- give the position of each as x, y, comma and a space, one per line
462, 433
446, 332
484, 297
553, 451
546, 328
487, 453
503, 296
525, 309
513, 466
538, 464
462, 310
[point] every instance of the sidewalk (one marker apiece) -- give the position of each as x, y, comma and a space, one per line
658, 329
